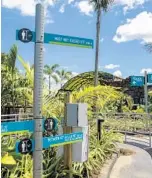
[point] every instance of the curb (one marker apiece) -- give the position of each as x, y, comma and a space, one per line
116, 156
109, 166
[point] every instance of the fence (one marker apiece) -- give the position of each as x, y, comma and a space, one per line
135, 127
16, 117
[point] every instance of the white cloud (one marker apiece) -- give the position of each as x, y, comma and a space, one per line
138, 28
111, 66
75, 74
149, 70
117, 73
129, 4
27, 7
101, 40
85, 7
62, 8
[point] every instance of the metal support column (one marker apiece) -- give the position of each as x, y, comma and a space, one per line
38, 87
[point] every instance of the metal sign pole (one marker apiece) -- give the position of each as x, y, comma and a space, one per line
38, 87
146, 93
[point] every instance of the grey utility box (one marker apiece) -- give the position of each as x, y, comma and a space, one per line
80, 150
76, 114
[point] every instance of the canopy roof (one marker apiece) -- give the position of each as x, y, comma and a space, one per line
87, 79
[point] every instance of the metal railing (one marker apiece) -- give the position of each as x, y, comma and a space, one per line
16, 117
136, 127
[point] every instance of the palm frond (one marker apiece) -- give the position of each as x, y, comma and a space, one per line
12, 56
148, 46
101, 4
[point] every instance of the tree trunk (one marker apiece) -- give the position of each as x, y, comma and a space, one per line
49, 84
97, 46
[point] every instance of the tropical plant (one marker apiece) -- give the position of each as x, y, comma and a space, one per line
22, 165
9, 74
108, 99
51, 72
64, 76
99, 6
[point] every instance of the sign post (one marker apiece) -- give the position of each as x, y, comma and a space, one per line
38, 84
146, 93
39, 37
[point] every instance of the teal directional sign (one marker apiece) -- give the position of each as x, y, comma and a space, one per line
137, 81
55, 39
149, 78
58, 140
20, 126
7, 127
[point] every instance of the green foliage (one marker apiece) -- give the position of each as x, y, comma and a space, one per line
53, 166
108, 99
128, 123
140, 109
51, 72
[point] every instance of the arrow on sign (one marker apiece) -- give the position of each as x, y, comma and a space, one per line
134, 82
137, 81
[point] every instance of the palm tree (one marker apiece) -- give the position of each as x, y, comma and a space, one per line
149, 47
50, 71
64, 76
99, 5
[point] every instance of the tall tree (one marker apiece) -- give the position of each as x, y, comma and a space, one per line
50, 71
99, 6
148, 46
64, 76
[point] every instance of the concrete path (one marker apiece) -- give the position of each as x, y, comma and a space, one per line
138, 165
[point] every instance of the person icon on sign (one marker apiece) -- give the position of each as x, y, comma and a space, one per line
23, 35
51, 125
23, 147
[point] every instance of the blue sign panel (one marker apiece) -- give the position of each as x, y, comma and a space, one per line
149, 78
57, 140
17, 126
62, 139
137, 81
18, 36
67, 40
7, 127
61, 40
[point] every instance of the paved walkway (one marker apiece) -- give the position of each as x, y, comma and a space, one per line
138, 165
